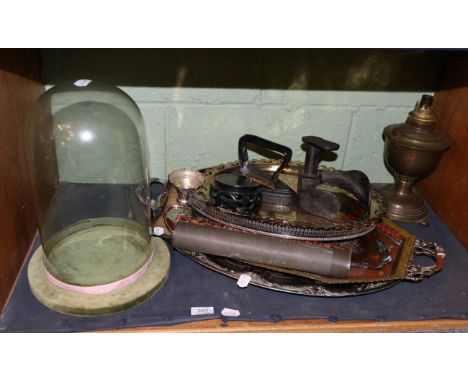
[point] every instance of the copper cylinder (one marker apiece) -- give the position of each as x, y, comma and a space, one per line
262, 249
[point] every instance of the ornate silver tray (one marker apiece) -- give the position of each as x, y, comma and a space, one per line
290, 222
345, 229
404, 251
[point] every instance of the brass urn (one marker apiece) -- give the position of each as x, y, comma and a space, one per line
412, 152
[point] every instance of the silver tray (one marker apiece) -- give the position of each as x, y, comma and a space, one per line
290, 222
296, 284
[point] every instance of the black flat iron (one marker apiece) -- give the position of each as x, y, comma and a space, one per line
248, 188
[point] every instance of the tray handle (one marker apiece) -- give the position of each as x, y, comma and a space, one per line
157, 205
416, 272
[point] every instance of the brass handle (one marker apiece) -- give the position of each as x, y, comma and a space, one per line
157, 205
416, 272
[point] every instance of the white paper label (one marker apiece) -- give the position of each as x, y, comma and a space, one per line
82, 83
230, 312
198, 310
244, 280
158, 231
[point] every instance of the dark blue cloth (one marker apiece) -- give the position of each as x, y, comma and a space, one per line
441, 296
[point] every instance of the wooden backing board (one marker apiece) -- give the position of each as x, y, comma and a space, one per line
446, 189
19, 87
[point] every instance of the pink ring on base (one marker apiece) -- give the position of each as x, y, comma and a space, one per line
100, 289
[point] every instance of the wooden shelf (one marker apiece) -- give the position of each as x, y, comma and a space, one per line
303, 326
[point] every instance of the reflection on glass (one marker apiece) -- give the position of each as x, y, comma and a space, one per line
86, 136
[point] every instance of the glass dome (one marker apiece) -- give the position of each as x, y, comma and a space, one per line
87, 158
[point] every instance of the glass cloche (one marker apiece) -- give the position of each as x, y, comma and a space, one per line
87, 158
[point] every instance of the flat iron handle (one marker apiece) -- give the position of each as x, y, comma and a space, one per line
314, 146
286, 152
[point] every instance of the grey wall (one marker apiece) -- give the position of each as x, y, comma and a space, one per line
197, 103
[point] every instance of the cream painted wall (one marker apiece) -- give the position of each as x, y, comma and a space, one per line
196, 103
197, 128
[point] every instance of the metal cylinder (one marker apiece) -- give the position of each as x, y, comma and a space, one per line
262, 249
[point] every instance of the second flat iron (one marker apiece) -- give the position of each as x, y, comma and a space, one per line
318, 200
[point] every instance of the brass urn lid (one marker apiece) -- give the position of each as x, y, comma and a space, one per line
419, 132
